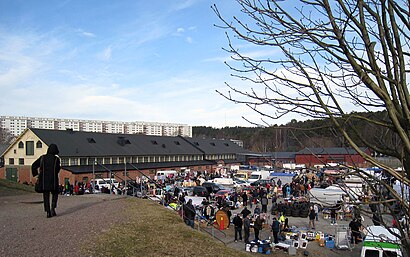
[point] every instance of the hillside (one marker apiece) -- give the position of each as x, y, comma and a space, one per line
297, 135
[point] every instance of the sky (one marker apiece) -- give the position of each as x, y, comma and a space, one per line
156, 61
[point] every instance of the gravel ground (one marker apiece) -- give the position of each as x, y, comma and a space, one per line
313, 246
25, 230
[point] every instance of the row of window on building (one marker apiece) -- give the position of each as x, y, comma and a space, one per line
74, 161
129, 159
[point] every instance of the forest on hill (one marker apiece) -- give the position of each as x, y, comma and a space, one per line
297, 135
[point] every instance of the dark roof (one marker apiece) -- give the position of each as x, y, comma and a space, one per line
284, 155
330, 150
274, 155
140, 166
81, 143
3, 148
216, 146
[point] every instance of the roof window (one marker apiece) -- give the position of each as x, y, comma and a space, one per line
123, 141
91, 140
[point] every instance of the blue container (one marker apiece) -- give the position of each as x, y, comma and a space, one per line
330, 244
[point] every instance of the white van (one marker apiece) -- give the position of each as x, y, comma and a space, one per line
223, 181
257, 175
379, 242
166, 173
105, 182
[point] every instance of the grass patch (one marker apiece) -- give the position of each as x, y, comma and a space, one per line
153, 230
8, 188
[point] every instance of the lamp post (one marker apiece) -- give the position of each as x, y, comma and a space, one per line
93, 176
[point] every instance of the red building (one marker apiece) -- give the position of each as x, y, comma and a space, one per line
323, 156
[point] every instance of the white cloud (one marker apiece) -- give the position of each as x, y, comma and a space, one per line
105, 55
180, 30
85, 33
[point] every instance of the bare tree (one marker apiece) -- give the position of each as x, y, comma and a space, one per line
5, 136
331, 59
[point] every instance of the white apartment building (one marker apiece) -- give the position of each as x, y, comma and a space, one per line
17, 124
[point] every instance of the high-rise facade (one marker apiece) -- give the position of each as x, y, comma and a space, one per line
17, 124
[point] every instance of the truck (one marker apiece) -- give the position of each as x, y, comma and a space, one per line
381, 242
242, 174
257, 175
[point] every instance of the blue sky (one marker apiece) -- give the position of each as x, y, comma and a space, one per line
157, 61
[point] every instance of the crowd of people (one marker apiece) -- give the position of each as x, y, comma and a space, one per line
252, 202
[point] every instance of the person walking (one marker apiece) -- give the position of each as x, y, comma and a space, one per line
312, 217
333, 216
47, 168
316, 208
237, 222
275, 230
264, 202
245, 198
246, 228
257, 227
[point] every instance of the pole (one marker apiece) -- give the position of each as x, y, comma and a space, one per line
93, 176
125, 178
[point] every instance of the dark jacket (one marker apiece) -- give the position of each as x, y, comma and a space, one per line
237, 221
189, 211
258, 223
312, 214
47, 168
275, 226
246, 224
245, 212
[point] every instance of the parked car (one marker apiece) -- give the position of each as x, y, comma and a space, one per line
261, 182
213, 187
223, 193
240, 183
200, 191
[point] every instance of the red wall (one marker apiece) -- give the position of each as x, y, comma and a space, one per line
311, 160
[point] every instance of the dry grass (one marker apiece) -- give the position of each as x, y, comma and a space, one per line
153, 230
8, 188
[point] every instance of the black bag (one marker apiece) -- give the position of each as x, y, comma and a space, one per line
37, 186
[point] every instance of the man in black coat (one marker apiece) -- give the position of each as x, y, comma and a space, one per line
245, 198
47, 168
237, 221
257, 226
246, 228
189, 213
275, 230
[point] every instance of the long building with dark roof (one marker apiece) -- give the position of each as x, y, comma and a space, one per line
84, 154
